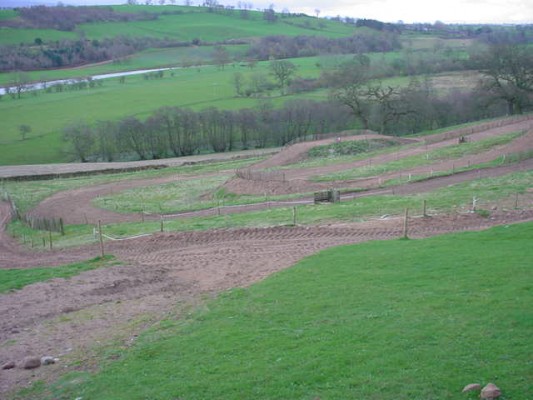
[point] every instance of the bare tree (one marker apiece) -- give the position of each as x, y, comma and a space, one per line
80, 137
269, 14
24, 131
282, 71
350, 88
509, 76
20, 83
221, 57
238, 82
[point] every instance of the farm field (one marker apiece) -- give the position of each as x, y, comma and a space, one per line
196, 88
180, 283
194, 23
191, 88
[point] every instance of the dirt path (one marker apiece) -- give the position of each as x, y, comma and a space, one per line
297, 180
65, 318
8, 171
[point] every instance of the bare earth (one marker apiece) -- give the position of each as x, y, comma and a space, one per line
165, 274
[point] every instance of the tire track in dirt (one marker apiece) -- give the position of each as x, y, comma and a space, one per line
169, 268
297, 180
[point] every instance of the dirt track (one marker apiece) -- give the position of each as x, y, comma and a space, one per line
75, 206
165, 273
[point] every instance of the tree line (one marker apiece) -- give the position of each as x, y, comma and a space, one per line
175, 131
68, 53
66, 18
364, 41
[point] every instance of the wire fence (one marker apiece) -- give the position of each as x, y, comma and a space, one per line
456, 134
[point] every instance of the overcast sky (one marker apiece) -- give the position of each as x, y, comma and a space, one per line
470, 11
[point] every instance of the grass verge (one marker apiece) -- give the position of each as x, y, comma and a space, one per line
14, 279
381, 320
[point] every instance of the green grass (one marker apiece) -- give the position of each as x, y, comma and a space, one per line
180, 195
189, 88
195, 88
147, 59
354, 147
14, 279
14, 36
197, 24
396, 320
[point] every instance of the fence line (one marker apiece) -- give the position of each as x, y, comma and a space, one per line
476, 129
250, 174
259, 175
39, 223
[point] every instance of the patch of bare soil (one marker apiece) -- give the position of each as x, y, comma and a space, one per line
66, 318
10, 171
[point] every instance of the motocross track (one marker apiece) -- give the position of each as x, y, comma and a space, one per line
75, 206
164, 274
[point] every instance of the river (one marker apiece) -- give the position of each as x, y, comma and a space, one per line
43, 85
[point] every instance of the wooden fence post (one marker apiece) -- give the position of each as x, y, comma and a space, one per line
294, 216
50, 239
406, 224
101, 238
162, 227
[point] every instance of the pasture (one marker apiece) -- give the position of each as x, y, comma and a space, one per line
193, 23
196, 88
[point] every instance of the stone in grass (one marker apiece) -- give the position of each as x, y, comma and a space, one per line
491, 391
9, 365
31, 362
47, 360
471, 387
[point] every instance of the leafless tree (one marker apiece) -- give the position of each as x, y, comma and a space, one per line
508, 76
282, 70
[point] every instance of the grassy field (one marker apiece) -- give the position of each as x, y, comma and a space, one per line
167, 198
398, 319
147, 59
195, 88
14, 279
193, 23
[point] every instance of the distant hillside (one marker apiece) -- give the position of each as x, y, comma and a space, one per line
177, 23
